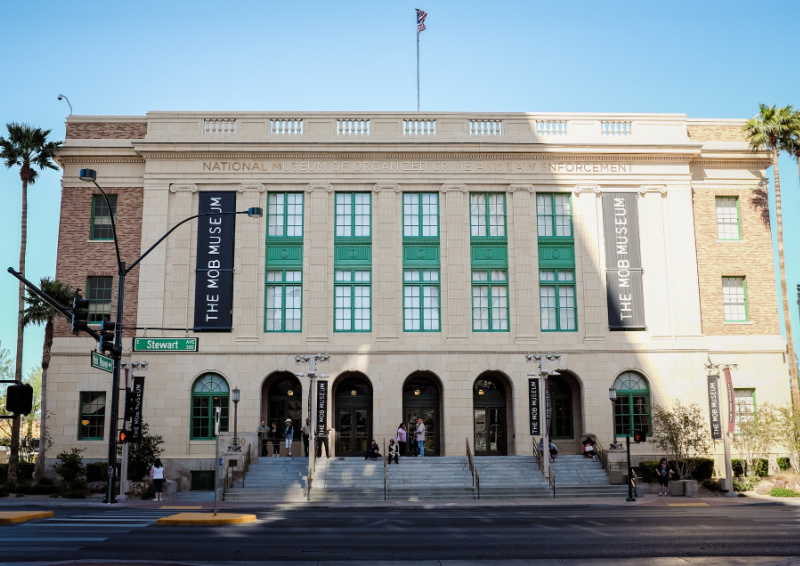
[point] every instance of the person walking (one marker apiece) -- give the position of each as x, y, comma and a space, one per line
275, 438
419, 434
664, 472
402, 439
262, 431
306, 428
157, 475
288, 436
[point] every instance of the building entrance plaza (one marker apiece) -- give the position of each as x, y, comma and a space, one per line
427, 254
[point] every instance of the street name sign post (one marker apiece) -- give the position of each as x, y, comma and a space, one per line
165, 344
102, 362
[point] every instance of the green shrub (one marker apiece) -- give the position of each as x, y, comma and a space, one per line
703, 469
740, 470
745, 484
70, 467
647, 471
96, 471
783, 492
36, 489
712, 485
784, 464
45, 481
3, 473
25, 471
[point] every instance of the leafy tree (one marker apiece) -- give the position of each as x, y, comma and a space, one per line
142, 454
39, 311
681, 432
755, 436
28, 148
771, 129
787, 431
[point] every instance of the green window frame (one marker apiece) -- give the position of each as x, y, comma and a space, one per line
554, 215
92, 417
490, 310
98, 293
487, 215
745, 399
632, 405
352, 309
558, 311
421, 300
284, 301
353, 215
420, 215
209, 392
101, 217
734, 299
285, 215
728, 224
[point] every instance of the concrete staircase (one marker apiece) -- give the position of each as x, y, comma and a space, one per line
509, 477
578, 476
272, 479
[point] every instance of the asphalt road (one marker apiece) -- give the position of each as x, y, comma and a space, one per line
411, 534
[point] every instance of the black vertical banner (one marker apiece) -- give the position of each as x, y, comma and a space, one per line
138, 396
533, 395
623, 262
713, 407
213, 295
322, 408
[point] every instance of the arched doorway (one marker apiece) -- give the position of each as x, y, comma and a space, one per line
421, 401
353, 400
561, 419
285, 400
489, 416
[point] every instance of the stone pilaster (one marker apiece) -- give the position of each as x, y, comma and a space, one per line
456, 275
387, 247
156, 220
523, 263
178, 273
659, 297
318, 263
590, 272
248, 311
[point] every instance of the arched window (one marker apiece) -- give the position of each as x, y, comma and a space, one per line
632, 406
209, 392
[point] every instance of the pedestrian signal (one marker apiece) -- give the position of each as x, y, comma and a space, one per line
639, 436
124, 436
19, 399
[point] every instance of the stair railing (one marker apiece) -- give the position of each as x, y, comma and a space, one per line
473, 469
538, 455
385, 474
246, 466
603, 455
551, 479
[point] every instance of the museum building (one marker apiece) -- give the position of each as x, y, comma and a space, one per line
427, 253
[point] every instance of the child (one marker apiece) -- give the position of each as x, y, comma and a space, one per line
394, 450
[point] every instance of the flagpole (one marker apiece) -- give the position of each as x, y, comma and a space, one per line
417, 70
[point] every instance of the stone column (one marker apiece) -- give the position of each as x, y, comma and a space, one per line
589, 262
248, 302
656, 274
318, 264
387, 275
523, 263
456, 274
156, 220
178, 269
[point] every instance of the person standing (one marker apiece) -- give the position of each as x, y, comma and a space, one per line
419, 434
664, 472
305, 429
288, 436
322, 440
157, 475
275, 438
402, 439
262, 431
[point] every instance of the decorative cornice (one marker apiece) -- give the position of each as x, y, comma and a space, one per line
182, 188
386, 188
653, 189
310, 188
454, 188
521, 188
254, 187
578, 189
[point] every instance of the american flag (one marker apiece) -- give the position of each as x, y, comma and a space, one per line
421, 20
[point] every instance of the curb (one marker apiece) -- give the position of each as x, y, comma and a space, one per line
206, 519
22, 516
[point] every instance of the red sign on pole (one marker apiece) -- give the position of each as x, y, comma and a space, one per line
731, 401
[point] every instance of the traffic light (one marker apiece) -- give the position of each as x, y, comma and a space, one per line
124, 436
130, 405
19, 399
639, 436
80, 313
106, 340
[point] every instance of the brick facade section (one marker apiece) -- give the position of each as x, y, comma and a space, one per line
79, 257
106, 130
750, 257
716, 133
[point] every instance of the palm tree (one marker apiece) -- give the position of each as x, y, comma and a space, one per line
771, 129
37, 312
28, 148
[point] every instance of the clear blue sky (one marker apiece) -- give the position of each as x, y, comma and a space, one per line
708, 59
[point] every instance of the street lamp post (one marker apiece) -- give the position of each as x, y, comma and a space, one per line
311, 360
612, 395
236, 446
543, 374
90, 176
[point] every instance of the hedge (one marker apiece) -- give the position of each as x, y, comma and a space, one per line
96, 471
784, 464
762, 469
704, 469
24, 471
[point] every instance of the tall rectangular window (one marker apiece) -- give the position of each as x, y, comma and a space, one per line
353, 216
98, 293
734, 298
489, 300
728, 218
557, 299
745, 407
92, 418
420, 215
554, 215
487, 215
285, 215
284, 301
101, 217
421, 300
352, 300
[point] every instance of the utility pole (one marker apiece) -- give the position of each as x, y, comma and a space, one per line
311, 360
543, 375
725, 417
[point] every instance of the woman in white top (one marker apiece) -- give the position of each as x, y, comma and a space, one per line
157, 474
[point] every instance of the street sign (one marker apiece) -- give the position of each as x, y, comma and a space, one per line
165, 344
102, 362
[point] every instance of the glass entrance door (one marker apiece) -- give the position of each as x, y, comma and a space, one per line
490, 431
353, 434
430, 418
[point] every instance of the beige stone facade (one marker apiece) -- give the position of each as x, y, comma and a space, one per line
674, 166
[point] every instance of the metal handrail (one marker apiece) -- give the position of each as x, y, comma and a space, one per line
471, 463
538, 455
603, 455
478, 482
385, 475
551, 478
